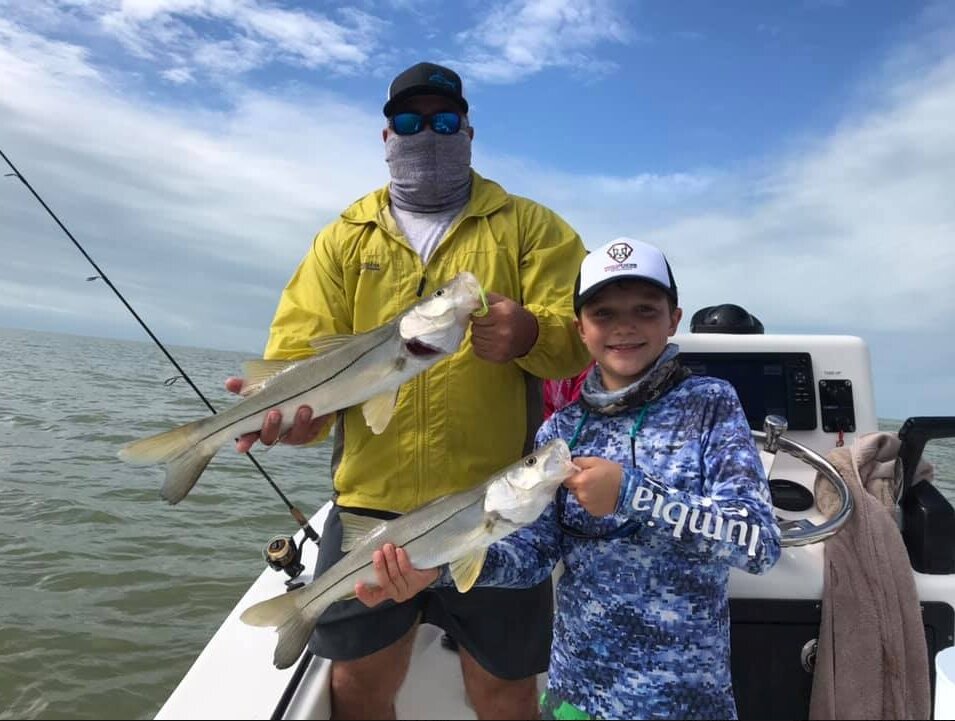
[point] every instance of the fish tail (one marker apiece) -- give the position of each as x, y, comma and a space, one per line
185, 458
294, 624
183, 471
273, 611
293, 637
162, 447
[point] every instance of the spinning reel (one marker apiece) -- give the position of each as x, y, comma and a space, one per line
283, 554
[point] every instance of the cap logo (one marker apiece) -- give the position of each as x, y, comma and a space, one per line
439, 79
619, 252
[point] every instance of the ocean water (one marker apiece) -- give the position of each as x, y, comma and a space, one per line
108, 594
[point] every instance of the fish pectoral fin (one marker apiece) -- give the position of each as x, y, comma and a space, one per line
355, 528
465, 571
379, 409
257, 373
327, 343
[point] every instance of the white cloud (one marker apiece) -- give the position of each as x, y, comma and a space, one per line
202, 214
850, 232
861, 222
229, 57
173, 202
26, 50
221, 37
22, 297
178, 76
604, 206
310, 39
522, 37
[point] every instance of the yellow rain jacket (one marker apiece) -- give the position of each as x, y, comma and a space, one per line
465, 418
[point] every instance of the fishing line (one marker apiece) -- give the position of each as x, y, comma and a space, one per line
296, 513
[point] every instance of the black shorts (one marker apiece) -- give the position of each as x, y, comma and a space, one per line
507, 631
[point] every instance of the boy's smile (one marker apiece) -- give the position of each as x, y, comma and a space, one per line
625, 327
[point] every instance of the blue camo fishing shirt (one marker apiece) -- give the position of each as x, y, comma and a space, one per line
642, 624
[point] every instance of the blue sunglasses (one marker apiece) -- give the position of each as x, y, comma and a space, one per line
445, 123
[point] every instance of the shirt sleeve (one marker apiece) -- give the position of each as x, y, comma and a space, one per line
313, 304
734, 521
551, 253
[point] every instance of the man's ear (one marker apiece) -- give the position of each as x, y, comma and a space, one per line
470, 130
384, 135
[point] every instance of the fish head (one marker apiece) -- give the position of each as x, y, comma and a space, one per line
436, 325
522, 491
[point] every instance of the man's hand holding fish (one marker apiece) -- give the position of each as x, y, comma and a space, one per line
455, 530
501, 331
305, 429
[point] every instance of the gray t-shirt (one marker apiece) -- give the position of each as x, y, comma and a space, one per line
425, 230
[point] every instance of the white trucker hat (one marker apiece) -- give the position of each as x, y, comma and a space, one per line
622, 259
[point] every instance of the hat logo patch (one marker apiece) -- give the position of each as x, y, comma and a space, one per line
619, 252
439, 79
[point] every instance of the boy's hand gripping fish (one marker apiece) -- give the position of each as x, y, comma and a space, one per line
455, 529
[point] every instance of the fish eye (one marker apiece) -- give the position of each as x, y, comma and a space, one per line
532, 461
439, 293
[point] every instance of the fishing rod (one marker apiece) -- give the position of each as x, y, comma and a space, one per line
281, 553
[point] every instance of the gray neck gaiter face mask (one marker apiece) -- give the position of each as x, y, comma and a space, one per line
429, 172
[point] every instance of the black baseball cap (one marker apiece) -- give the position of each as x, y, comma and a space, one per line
425, 79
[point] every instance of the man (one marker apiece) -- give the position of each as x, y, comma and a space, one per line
453, 426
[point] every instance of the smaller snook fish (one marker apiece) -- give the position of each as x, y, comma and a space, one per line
455, 529
346, 371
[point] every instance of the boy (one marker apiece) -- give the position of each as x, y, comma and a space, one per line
670, 495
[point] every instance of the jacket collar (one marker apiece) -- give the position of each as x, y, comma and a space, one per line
486, 197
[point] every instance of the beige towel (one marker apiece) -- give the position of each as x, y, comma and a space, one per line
872, 661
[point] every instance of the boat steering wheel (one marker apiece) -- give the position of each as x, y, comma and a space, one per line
803, 532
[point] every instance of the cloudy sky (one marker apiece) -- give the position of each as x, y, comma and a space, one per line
795, 158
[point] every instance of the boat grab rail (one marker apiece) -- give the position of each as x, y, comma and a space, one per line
803, 532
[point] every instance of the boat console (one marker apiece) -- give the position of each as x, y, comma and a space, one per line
823, 387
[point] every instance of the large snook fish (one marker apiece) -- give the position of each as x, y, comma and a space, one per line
454, 529
347, 370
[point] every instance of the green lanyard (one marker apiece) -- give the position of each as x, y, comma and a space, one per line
634, 430
627, 528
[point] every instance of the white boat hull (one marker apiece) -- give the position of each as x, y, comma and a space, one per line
234, 676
